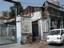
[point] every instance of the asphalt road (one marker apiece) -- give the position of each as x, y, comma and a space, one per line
56, 46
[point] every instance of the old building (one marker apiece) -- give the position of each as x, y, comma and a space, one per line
39, 20
7, 28
54, 14
10, 25
31, 21
56, 2
35, 22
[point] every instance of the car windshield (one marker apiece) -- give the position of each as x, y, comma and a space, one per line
55, 32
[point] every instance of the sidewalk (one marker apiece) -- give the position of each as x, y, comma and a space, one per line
33, 45
4, 40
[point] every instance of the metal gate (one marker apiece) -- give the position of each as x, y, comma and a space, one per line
7, 33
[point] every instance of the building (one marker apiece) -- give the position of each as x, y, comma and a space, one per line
7, 28
39, 20
56, 2
30, 21
9, 25
35, 22
54, 15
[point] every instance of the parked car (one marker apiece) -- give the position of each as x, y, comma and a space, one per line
55, 36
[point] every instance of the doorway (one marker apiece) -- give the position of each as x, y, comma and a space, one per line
35, 30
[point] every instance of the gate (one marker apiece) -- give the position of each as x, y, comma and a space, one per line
7, 33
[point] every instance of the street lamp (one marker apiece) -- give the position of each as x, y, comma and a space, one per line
18, 21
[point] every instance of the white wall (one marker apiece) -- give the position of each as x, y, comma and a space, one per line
36, 15
45, 25
40, 28
18, 29
26, 25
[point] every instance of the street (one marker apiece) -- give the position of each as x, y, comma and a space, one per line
41, 44
4, 40
55, 46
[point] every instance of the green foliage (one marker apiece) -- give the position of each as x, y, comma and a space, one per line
17, 7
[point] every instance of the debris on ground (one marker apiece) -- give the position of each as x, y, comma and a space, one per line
41, 44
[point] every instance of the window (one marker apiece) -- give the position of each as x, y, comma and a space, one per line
62, 32
55, 32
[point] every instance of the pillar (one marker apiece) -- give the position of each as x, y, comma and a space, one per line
40, 29
7, 30
18, 29
61, 23
49, 23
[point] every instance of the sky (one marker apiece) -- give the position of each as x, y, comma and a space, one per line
4, 6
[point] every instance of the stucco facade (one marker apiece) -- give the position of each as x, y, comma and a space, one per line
48, 17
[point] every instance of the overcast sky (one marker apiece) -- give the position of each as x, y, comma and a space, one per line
5, 5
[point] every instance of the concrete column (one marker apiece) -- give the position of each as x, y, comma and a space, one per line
49, 23
7, 30
40, 28
61, 23
18, 29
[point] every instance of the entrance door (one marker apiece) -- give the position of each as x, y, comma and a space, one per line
35, 30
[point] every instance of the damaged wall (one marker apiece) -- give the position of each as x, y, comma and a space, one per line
26, 25
36, 16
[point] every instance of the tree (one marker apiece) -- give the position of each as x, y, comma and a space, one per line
12, 12
19, 8
5, 13
13, 9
